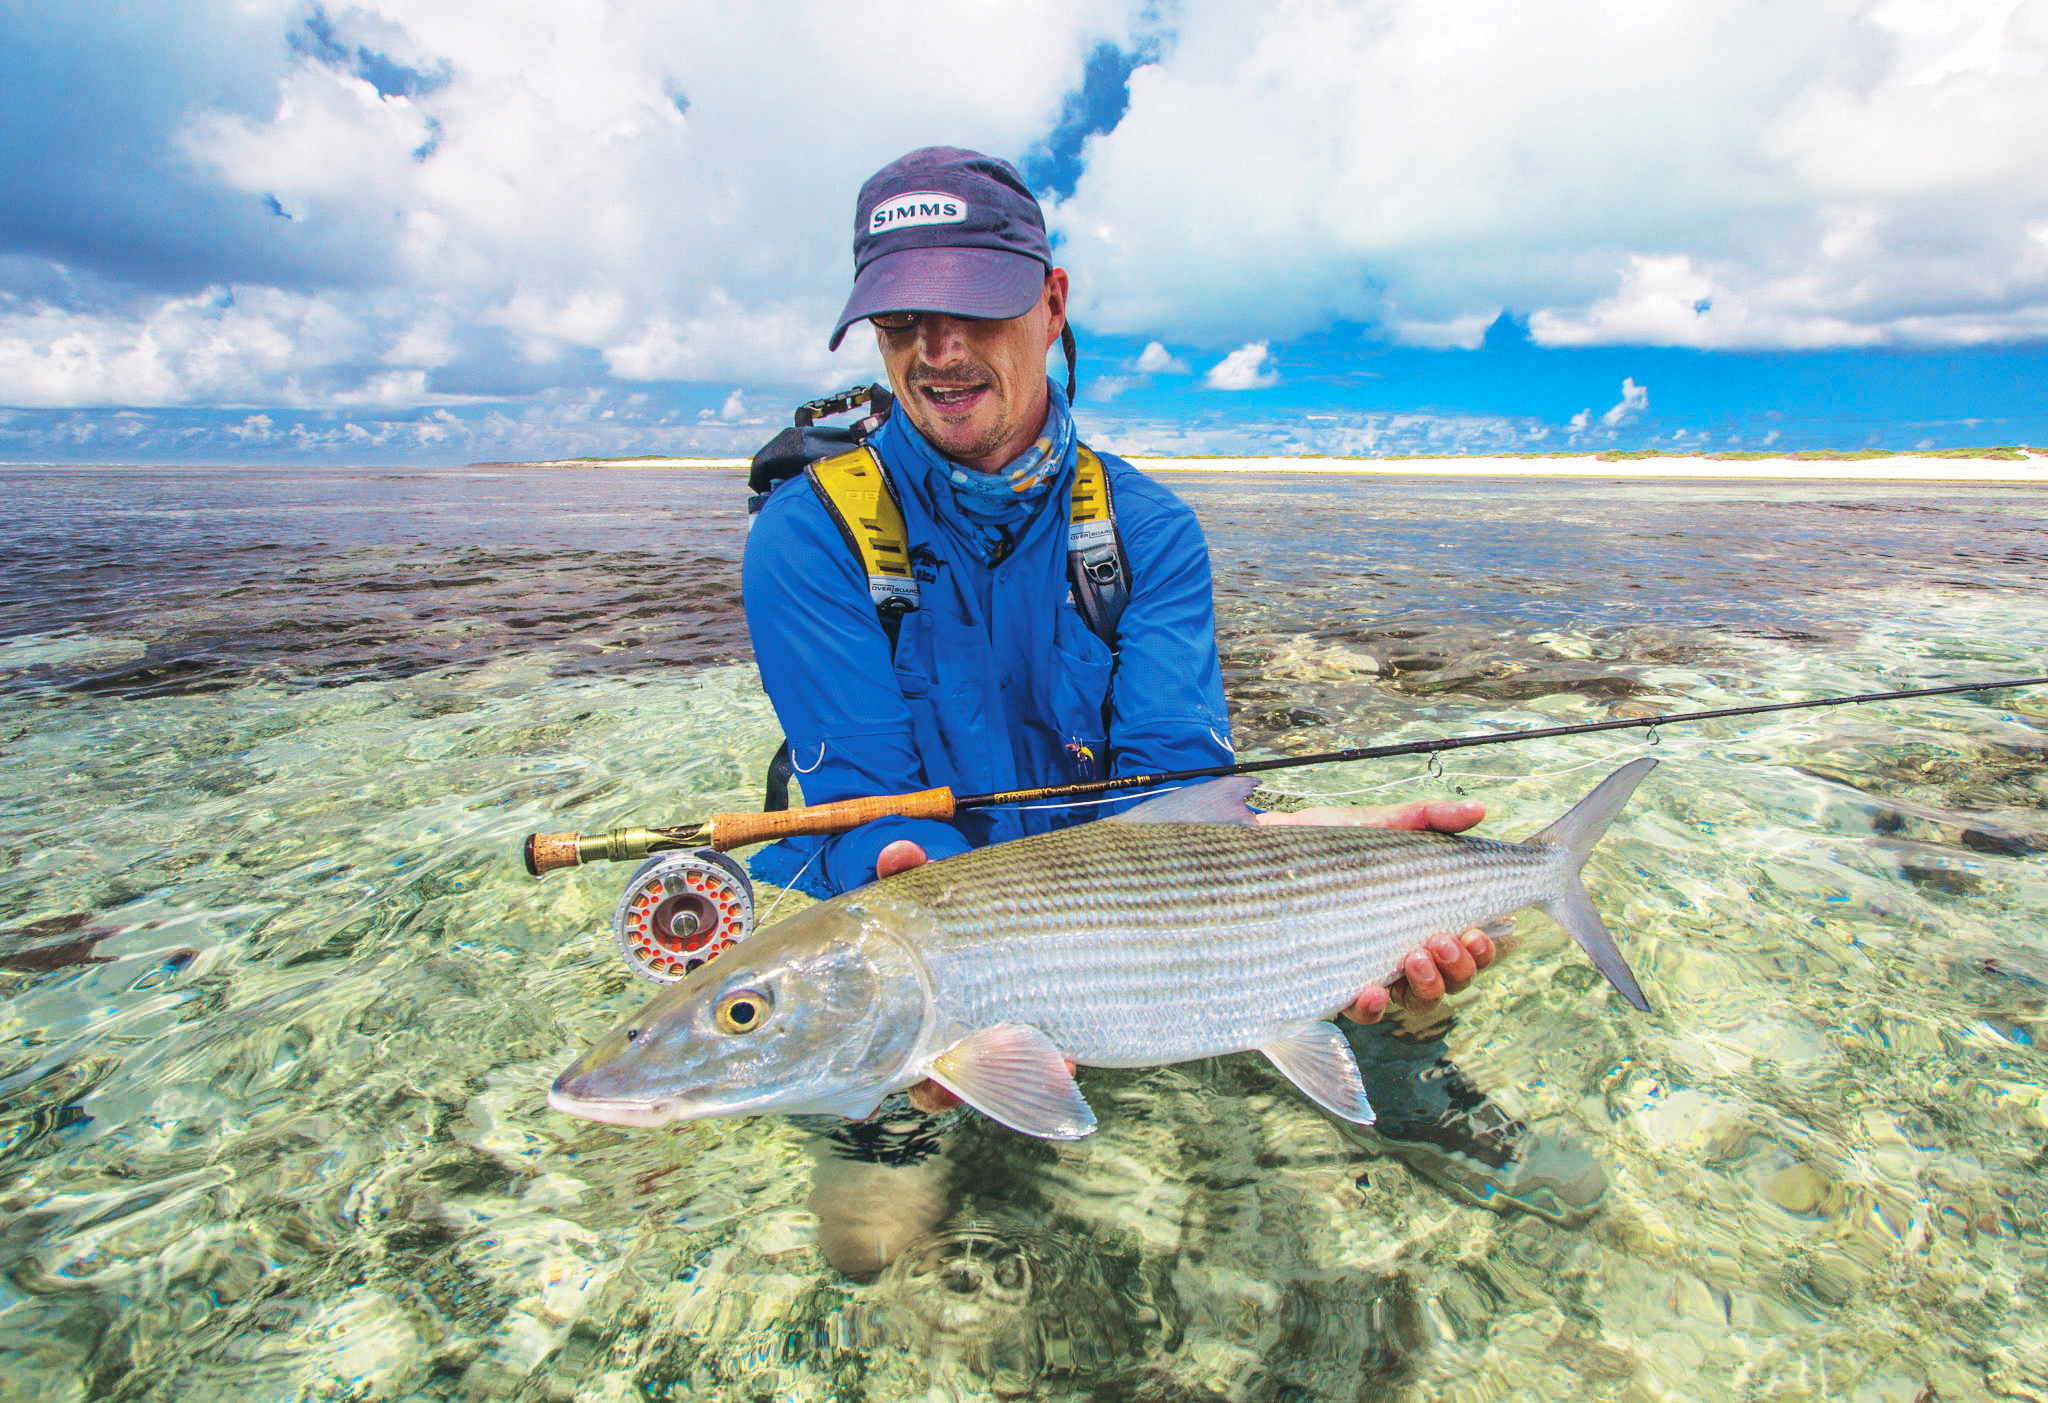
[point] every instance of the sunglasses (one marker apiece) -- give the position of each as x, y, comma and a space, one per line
907, 321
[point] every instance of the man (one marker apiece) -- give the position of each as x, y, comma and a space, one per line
994, 681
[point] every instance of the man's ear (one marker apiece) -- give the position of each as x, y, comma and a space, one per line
1055, 305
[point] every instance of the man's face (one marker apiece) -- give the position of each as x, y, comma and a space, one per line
976, 389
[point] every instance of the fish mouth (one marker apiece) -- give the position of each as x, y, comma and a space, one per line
618, 1110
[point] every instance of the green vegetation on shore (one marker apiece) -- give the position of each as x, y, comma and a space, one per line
2006, 452
2010, 453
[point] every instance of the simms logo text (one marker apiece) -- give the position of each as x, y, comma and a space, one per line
918, 207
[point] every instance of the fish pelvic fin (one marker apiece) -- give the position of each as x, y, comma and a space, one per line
1217, 801
1576, 833
1016, 1076
1314, 1056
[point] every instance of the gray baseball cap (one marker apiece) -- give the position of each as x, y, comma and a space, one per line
946, 230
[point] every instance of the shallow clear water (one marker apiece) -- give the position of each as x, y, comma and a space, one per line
281, 1008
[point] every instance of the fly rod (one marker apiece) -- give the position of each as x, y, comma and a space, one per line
545, 852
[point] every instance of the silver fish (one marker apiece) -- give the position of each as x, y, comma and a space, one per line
1177, 931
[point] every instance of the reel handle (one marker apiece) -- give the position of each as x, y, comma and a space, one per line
550, 852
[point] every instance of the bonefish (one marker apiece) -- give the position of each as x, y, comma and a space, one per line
1177, 931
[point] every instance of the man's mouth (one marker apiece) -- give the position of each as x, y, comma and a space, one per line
952, 397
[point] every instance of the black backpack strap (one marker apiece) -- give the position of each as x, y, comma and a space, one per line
776, 799
805, 441
785, 456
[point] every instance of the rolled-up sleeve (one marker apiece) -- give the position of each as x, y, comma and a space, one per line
825, 664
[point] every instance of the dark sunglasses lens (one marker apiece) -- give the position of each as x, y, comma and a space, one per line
895, 321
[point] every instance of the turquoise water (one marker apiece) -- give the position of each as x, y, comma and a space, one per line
281, 1009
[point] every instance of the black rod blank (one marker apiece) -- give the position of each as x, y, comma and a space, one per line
1431, 747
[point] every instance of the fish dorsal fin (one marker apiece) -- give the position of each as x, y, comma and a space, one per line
1218, 801
1314, 1056
1013, 1074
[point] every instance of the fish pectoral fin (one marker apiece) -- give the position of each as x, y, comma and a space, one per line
1314, 1056
1013, 1074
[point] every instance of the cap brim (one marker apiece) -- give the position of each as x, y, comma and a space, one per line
965, 282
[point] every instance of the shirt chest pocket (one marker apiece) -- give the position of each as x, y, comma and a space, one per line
914, 661
1082, 669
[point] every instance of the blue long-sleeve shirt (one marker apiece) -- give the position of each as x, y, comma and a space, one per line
996, 682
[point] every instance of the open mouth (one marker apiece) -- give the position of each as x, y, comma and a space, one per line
953, 399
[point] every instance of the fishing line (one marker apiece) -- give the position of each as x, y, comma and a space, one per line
1107, 799
769, 914
1433, 747
548, 852
1607, 758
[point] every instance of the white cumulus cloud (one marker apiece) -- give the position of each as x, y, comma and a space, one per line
1246, 368
519, 198
1817, 173
627, 189
1634, 400
1155, 359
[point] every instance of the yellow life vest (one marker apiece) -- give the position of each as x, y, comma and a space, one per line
862, 503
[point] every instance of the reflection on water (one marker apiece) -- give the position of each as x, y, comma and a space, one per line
281, 1010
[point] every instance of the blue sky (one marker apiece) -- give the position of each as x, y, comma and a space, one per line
271, 231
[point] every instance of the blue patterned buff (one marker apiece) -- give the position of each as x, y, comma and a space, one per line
996, 505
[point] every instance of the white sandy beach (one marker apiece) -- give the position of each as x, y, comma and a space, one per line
1899, 468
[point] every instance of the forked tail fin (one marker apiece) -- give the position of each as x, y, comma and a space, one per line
1576, 833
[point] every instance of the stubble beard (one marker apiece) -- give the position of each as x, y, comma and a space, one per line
936, 430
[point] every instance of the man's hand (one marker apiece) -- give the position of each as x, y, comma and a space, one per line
1445, 964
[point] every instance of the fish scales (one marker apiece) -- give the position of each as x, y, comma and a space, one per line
1170, 940
1180, 930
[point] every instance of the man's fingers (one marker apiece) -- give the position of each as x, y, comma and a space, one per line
931, 1098
1445, 964
1422, 985
1444, 815
1370, 1006
899, 856
1432, 815
1453, 961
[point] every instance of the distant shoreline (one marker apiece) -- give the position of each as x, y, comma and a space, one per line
1991, 466
2026, 467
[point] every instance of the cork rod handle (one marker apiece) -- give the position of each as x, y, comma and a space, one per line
549, 852
737, 830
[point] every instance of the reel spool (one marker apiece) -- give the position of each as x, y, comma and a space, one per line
679, 910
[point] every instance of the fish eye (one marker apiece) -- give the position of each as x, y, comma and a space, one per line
743, 1010
632, 1035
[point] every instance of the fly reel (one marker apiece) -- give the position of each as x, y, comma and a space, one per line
679, 910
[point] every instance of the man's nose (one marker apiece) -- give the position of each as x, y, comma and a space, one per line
940, 339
